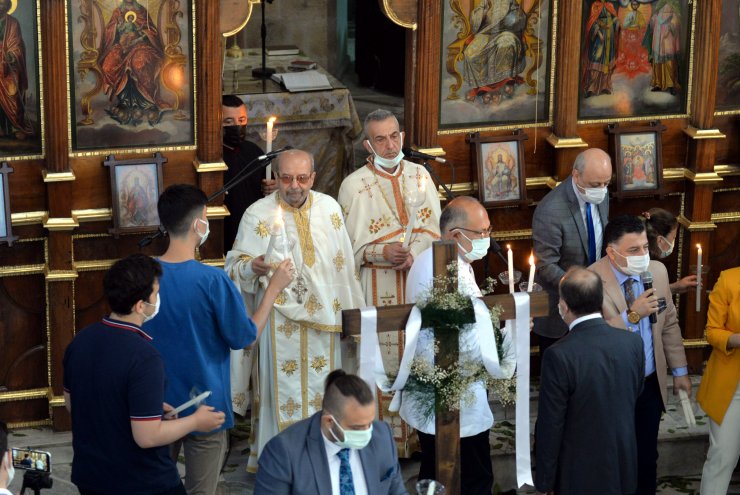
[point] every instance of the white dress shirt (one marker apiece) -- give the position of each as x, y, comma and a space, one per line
355, 464
578, 320
598, 228
477, 417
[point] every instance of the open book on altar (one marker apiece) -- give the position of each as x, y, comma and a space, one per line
310, 80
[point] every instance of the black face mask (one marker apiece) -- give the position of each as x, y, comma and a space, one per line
234, 134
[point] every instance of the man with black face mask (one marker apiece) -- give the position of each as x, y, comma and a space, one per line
238, 153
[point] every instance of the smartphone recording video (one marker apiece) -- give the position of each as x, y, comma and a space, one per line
32, 460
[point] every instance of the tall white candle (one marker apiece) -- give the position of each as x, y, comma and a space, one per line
276, 229
698, 278
414, 200
286, 245
530, 282
268, 146
510, 258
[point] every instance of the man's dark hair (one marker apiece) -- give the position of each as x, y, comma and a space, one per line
130, 280
231, 101
621, 225
582, 290
3, 439
658, 222
339, 387
178, 205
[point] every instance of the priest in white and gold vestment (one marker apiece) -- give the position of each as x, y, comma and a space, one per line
300, 346
378, 201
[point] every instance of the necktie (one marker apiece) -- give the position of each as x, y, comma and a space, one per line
591, 235
629, 292
346, 486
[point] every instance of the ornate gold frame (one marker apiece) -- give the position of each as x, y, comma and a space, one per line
550, 94
42, 121
174, 58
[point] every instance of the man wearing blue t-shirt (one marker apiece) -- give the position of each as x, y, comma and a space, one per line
202, 318
114, 388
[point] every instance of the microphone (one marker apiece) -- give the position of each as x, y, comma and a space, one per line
273, 154
148, 239
422, 156
495, 248
647, 283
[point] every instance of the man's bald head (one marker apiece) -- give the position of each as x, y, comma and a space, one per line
592, 168
582, 291
460, 212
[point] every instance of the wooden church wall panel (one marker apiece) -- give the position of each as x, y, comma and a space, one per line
22, 412
728, 149
90, 302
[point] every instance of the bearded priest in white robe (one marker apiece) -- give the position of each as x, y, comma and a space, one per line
379, 201
301, 346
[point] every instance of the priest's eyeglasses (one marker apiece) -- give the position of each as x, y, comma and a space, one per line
482, 234
302, 179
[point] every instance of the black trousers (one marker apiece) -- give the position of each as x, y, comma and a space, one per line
648, 410
476, 472
178, 490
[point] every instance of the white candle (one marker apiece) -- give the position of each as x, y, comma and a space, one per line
510, 257
268, 146
285, 235
414, 200
430, 489
698, 278
275, 230
530, 282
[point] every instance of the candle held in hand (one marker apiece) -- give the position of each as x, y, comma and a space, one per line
698, 278
268, 146
510, 260
530, 282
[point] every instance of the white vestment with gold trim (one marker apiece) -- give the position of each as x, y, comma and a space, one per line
300, 344
375, 209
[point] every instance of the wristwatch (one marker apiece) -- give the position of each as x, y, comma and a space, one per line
633, 316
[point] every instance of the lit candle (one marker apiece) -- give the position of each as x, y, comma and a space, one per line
698, 278
530, 282
510, 257
268, 146
276, 229
414, 200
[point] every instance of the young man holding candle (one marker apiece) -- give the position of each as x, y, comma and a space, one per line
464, 221
238, 153
388, 229
202, 317
627, 304
303, 345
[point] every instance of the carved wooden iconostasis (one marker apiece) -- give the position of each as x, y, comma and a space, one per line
133, 84
65, 110
565, 71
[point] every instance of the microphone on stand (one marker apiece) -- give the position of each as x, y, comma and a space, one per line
408, 152
647, 283
494, 247
148, 239
273, 154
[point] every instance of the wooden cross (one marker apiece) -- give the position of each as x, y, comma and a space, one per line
394, 318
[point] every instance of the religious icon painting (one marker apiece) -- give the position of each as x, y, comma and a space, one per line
21, 96
131, 75
6, 229
635, 59
496, 58
135, 187
728, 74
637, 156
501, 171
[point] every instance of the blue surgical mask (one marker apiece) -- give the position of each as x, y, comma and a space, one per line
636, 265
478, 250
666, 253
353, 439
386, 162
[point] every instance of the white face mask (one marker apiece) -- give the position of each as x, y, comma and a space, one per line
204, 235
387, 162
636, 265
353, 439
478, 250
156, 309
593, 195
666, 253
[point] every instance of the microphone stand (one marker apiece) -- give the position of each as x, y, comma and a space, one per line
243, 174
438, 181
263, 72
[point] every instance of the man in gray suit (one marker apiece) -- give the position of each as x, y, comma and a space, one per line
337, 451
567, 230
591, 379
